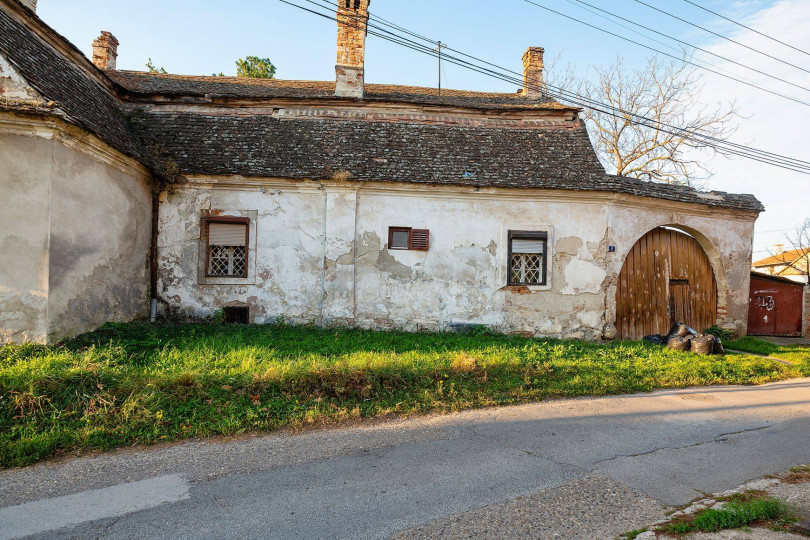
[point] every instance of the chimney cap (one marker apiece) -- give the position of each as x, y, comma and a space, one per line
533, 50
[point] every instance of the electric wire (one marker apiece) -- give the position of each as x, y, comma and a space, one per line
658, 51
701, 49
695, 139
702, 140
721, 36
746, 27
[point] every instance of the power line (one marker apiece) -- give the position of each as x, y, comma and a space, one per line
646, 36
746, 27
701, 139
697, 140
614, 34
719, 35
698, 48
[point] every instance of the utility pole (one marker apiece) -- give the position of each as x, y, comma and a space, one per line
440, 68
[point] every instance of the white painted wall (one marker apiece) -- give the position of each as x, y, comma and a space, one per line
320, 254
75, 227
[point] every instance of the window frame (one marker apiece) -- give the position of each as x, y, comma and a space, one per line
230, 220
527, 235
392, 230
410, 231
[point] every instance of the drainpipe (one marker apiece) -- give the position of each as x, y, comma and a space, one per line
153, 258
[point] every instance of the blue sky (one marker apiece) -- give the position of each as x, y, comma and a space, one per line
206, 36
201, 37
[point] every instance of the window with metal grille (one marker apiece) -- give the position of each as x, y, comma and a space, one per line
527, 257
227, 247
408, 238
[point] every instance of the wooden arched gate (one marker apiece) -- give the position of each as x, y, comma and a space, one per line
666, 277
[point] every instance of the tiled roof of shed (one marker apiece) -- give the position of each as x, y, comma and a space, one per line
77, 94
138, 82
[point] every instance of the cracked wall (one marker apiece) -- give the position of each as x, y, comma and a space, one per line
321, 256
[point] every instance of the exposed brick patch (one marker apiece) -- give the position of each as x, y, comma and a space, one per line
105, 51
352, 21
533, 72
806, 325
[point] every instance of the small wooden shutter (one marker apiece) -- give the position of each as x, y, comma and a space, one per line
226, 234
419, 240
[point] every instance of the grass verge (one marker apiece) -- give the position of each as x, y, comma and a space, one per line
140, 384
741, 510
800, 354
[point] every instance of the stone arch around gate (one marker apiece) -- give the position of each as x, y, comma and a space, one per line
671, 272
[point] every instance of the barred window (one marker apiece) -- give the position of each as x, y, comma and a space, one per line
227, 247
527, 257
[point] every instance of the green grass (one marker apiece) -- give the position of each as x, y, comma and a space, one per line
632, 535
140, 384
799, 354
735, 514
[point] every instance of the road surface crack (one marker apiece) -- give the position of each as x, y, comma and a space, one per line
718, 438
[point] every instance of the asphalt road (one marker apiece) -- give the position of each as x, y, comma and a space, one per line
582, 468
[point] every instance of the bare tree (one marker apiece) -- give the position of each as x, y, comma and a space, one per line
668, 94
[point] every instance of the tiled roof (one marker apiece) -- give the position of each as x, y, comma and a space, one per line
551, 155
265, 146
138, 82
78, 95
786, 257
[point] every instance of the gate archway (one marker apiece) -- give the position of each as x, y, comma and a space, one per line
666, 277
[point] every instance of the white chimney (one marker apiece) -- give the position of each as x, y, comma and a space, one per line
30, 4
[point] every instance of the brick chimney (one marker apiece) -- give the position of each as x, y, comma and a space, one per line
30, 4
352, 19
105, 51
533, 72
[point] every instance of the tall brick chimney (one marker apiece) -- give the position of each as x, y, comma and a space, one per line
30, 4
105, 51
352, 19
533, 72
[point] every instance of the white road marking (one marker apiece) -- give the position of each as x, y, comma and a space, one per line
57, 512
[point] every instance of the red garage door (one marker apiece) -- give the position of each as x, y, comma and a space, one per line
774, 307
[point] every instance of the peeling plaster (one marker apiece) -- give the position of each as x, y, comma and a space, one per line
583, 277
309, 268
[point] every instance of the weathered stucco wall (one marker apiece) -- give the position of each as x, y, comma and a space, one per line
25, 183
319, 255
99, 245
75, 226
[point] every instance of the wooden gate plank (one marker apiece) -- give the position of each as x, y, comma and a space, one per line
644, 296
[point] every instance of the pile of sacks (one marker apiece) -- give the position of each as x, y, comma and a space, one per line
683, 338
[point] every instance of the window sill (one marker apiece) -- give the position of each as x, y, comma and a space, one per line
219, 280
526, 289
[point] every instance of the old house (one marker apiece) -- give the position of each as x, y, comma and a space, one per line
793, 264
339, 203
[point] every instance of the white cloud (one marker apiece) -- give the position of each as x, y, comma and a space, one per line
775, 124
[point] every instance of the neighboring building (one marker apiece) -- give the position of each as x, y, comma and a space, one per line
339, 203
793, 264
776, 306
